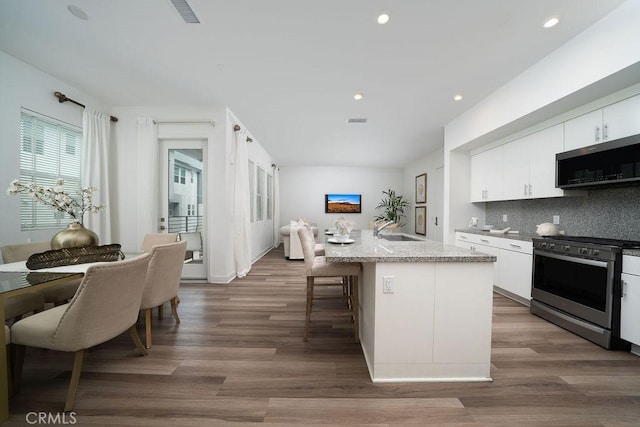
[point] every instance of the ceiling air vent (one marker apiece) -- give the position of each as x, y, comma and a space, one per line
185, 11
357, 120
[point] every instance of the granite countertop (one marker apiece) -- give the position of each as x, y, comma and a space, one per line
367, 248
519, 236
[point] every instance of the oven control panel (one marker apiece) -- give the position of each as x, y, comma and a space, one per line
576, 249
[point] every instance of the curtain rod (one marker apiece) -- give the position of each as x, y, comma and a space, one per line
236, 128
185, 122
62, 98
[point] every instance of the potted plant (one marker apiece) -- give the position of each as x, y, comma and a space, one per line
392, 206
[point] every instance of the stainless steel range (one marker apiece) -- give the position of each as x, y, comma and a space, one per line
577, 285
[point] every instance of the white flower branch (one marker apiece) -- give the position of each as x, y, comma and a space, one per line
57, 199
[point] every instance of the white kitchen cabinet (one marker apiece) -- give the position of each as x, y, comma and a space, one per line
513, 268
543, 147
583, 131
487, 176
621, 119
630, 303
530, 165
515, 272
516, 169
614, 121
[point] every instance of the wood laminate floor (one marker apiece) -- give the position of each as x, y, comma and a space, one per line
238, 358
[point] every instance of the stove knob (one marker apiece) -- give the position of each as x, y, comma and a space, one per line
566, 248
582, 251
552, 245
595, 252
543, 245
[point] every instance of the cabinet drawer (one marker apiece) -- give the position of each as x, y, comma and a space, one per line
477, 238
466, 237
517, 245
631, 264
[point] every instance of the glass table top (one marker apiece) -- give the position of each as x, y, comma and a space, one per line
10, 281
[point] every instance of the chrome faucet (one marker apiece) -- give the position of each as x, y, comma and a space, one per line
378, 228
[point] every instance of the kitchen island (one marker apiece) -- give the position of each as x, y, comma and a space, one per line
425, 308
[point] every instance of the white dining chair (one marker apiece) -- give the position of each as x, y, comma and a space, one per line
106, 305
162, 282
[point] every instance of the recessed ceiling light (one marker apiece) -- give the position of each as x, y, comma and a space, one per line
358, 96
77, 12
457, 97
552, 21
384, 17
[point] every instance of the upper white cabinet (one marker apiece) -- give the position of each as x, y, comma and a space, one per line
622, 118
606, 124
529, 165
516, 169
583, 131
487, 175
525, 168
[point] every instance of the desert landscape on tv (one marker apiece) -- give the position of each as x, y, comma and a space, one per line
343, 203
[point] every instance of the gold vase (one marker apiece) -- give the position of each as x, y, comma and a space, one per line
74, 235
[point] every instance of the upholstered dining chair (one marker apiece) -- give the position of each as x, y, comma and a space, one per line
162, 282
152, 239
318, 267
55, 295
106, 304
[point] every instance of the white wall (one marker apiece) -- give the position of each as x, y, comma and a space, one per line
23, 86
435, 202
303, 189
607, 47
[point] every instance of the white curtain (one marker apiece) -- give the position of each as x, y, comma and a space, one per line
96, 131
147, 182
276, 207
241, 207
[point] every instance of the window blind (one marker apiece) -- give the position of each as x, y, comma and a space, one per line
49, 149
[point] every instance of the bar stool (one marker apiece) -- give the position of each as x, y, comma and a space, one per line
317, 266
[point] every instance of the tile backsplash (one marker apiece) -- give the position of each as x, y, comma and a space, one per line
611, 213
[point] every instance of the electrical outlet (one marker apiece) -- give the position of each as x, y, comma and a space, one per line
556, 219
387, 284
504, 218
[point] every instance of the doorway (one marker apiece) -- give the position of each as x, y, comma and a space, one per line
183, 203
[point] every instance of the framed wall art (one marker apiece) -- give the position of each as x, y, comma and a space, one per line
421, 188
421, 220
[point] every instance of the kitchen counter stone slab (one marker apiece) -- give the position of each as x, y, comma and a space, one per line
367, 248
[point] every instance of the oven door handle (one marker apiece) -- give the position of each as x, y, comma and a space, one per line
572, 259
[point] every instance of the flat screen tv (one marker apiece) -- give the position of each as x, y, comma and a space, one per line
342, 203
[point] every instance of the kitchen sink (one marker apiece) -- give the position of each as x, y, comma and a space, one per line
400, 238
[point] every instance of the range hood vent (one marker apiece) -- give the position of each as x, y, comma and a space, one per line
613, 163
